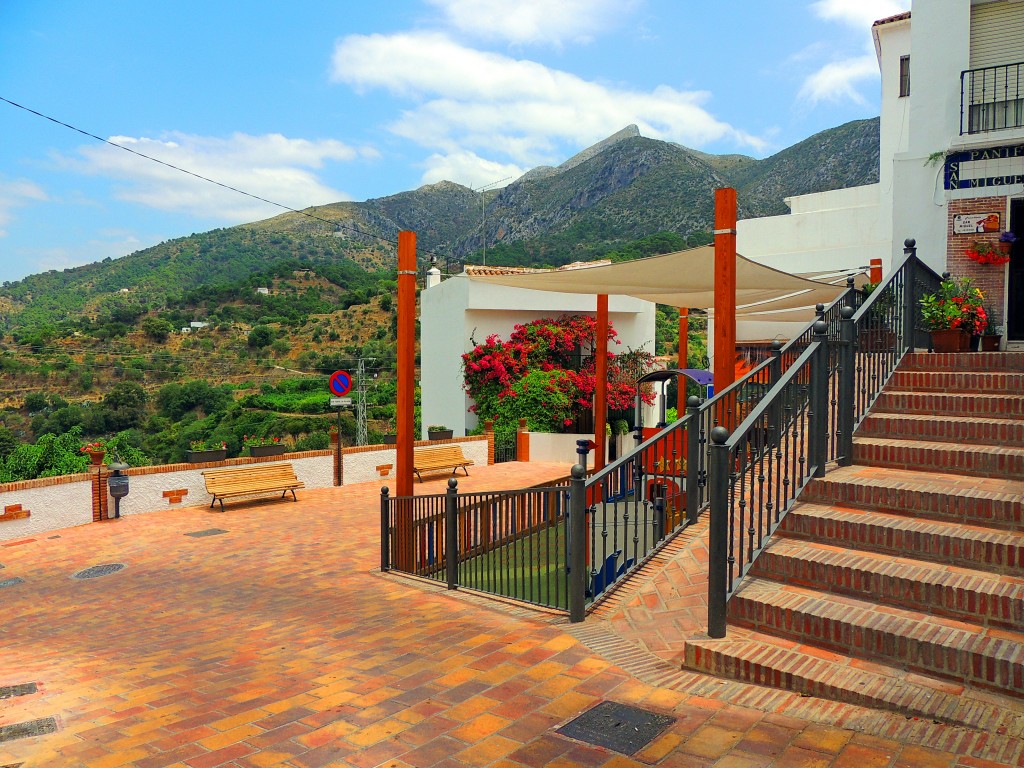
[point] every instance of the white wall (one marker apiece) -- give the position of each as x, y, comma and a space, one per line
557, 448
61, 505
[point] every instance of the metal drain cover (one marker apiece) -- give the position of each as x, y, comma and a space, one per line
28, 729
22, 689
11, 582
615, 726
207, 532
99, 570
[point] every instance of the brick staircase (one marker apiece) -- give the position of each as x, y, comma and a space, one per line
898, 582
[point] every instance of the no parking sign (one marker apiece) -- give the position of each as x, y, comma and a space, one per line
340, 383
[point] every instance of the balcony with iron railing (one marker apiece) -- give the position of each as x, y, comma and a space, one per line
992, 98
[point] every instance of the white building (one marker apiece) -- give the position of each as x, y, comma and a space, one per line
455, 312
951, 158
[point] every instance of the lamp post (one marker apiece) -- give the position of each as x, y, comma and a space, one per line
483, 216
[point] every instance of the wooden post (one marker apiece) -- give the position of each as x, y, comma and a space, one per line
406, 362
522, 442
725, 288
684, 338
601, 388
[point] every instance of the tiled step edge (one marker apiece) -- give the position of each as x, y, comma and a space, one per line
915, 496
975, 460
959, 405
922, 426
953, 544
992, 659
762, 660
958, 382
973, 361
933, 588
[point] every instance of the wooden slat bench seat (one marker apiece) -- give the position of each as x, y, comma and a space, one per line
439, 457
251, 480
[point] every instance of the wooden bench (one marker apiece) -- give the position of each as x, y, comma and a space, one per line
251, 480
439, 457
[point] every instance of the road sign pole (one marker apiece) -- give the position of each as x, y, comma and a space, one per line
339, 469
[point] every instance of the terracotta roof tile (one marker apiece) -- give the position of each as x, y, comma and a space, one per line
483, 271
889, 19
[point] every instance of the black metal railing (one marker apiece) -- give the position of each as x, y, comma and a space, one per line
992, 98
509, 543
806, 420
505, 447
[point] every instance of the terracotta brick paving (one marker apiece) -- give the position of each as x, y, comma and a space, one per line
278, 644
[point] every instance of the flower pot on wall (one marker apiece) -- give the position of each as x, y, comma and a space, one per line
197, 457
440, 434
990, 343
390, 439
266, 450
96, 457
950, 340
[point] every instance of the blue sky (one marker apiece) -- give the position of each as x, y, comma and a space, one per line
314, 102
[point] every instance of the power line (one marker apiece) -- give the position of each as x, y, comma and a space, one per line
336, 224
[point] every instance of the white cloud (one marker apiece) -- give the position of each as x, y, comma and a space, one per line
271, 166
470, 169
551, 22
470, 102
859, 14
838, 80
15, 193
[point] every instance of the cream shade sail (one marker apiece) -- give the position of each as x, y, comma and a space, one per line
680, 279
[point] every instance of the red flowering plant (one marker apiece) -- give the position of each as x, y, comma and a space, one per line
545, 373
957, 305
255, 441
989, 252
97, 446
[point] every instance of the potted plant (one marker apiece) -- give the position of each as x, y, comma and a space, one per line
439, 432
263, 446
333, 432
207, 450
390, 437
96, 450
953, 314
991, 335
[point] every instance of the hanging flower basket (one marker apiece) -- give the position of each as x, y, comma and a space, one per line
988, 252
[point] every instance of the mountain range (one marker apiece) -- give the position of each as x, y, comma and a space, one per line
622, 189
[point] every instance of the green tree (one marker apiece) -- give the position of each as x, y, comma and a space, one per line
260, 336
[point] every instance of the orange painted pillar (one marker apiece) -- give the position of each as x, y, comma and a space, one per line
405, 417
601, 389
725, 288
684, 335
875, 271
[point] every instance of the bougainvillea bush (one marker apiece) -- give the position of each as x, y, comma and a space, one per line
545, 373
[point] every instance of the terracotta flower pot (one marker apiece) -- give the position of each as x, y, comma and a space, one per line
950, 340
990, 343
96, 457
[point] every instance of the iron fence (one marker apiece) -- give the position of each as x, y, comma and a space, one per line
509, 543
991, 98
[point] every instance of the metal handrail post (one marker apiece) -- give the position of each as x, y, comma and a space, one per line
693, 459
847, 387
577, 543
818, 437
451, 533
385, 530
718, 533
910, 295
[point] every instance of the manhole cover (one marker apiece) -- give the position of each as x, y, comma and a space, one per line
99, 570
11, 582
22, 689
207, 532
27, 729
616, 726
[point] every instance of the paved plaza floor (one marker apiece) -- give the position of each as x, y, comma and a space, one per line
279, 643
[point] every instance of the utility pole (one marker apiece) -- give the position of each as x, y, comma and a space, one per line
361, 400
483, 216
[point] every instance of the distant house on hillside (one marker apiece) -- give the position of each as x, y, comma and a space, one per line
263, 291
